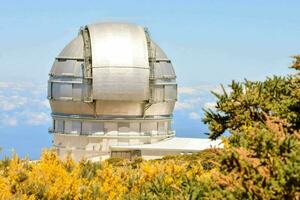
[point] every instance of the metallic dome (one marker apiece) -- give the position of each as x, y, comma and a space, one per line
111, 81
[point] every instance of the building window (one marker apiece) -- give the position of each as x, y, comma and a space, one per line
59, 126
135, 127
123, 127
148, 128
73, 127
91, 128
111, 128
62, 90
161, 128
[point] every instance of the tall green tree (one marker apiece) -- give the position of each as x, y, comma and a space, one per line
261, 158
249, 100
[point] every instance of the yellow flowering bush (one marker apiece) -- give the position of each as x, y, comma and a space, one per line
172, 177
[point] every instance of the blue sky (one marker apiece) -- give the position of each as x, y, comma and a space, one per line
209, 42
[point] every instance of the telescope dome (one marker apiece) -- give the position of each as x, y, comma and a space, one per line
110, 85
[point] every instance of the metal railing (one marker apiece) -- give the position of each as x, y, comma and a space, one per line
118, 134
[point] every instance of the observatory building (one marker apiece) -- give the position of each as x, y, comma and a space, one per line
112, 91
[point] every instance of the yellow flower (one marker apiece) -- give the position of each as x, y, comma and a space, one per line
168, 180
190, 174
4, 188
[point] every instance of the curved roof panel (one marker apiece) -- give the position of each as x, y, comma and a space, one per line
120, 62
118, 45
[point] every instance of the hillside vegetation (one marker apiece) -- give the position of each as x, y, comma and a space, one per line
260, 160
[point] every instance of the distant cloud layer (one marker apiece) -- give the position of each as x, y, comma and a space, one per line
195, 98
210, 105
194, 115
23, 103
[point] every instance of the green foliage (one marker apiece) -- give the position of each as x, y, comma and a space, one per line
264, 165
261, 158
209, 158
249, 100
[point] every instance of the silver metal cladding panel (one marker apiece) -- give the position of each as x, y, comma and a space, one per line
69, 67
72, 107
119, 108
158, 93
164, 88
61, 91
118, 45
120, 84
162, 108
67, 88
170, 92
164, 69
73, 49
159, 53
120, 62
